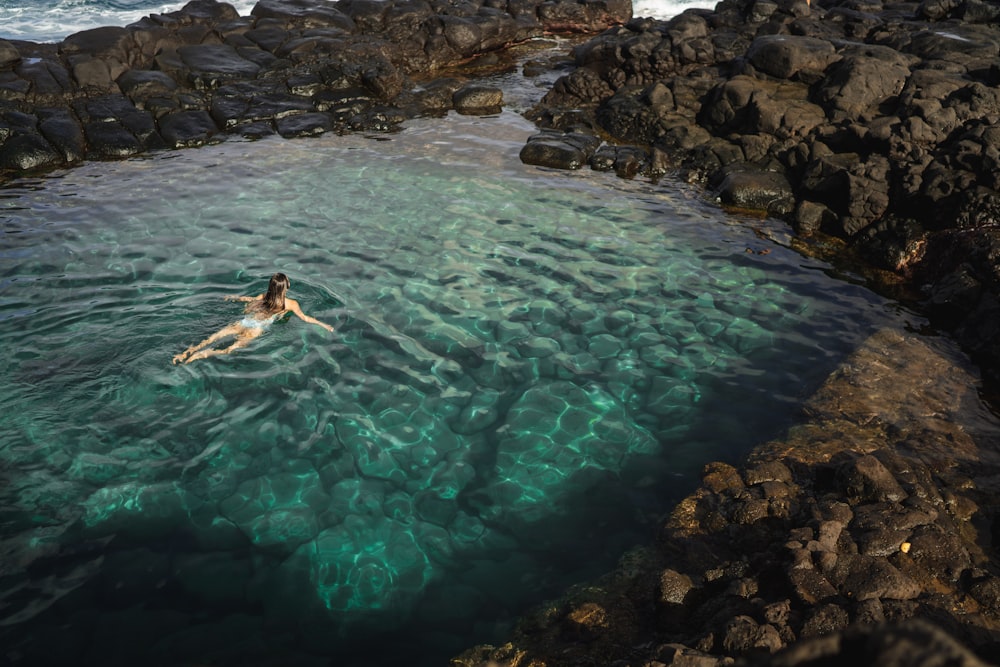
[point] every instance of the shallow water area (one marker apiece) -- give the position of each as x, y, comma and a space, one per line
528, 367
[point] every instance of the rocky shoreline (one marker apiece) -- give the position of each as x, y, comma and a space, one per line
871, 122
294, 67
867, 533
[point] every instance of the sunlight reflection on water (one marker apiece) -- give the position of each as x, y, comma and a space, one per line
528, 367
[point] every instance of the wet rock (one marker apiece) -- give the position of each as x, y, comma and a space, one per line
210, 65
478, 99
28, 151
145, 83
811, 217
206, 58
110, 46
580, 16
560, 150
92, 73
187, 128
62, 130
48, 79
765, 191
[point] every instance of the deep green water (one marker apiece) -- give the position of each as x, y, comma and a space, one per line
528, 368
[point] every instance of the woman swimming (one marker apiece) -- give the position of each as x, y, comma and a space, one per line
258, 315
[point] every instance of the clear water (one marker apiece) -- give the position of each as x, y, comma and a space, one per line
528, 368
53, 20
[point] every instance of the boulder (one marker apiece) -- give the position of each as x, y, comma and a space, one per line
477, 99
559, 150
187, 128
792, 56
210, 65
62, 130
865, 77
755, 190
9, 55
28, 151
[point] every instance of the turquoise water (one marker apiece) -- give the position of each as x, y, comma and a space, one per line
528, 367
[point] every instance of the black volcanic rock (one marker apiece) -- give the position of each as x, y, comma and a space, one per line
295, 67
882, 117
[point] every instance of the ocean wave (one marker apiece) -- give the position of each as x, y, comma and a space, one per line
53, 20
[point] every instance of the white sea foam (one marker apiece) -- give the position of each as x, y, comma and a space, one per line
53, 20
664, 9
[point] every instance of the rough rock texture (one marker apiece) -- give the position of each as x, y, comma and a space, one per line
865, 536
868, 120
293, 67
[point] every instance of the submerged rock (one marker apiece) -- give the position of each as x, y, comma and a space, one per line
833, 543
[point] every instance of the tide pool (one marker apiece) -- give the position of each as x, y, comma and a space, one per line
528, 368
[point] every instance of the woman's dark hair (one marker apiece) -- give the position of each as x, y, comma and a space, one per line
274, 300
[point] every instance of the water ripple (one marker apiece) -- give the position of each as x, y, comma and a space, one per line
520, 358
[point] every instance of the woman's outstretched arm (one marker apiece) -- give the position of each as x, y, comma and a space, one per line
293, 306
